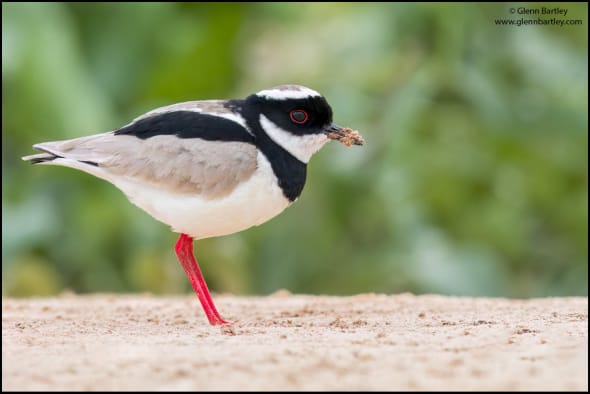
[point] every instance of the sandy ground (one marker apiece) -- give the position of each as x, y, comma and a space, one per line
295, 342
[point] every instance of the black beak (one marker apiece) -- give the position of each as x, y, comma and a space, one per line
344, 135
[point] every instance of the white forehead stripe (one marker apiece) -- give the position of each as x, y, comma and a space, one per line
288, 92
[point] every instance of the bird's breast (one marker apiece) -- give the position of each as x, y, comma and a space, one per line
252, 202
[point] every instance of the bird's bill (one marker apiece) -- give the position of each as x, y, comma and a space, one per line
344, 135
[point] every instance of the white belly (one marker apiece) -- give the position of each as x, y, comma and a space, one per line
250, 204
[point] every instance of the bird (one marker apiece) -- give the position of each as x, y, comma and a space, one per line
209, 168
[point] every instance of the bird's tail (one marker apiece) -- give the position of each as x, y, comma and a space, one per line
86, 150
41, 157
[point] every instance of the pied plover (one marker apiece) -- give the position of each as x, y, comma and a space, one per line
209, 168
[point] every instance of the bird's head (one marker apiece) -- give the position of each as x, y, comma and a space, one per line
299, 119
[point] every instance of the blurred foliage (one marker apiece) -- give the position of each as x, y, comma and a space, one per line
474, 179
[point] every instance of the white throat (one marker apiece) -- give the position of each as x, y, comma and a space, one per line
302, 147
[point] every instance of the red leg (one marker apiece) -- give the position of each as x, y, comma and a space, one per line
184, 251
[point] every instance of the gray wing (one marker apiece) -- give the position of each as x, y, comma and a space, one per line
185, 166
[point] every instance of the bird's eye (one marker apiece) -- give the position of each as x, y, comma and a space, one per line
298, 116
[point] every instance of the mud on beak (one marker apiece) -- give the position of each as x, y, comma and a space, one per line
344, 135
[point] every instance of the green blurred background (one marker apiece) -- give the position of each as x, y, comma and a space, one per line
474, 179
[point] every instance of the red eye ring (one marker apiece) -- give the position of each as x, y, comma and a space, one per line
298, 116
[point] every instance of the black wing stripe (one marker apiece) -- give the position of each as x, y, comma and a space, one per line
188, 124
